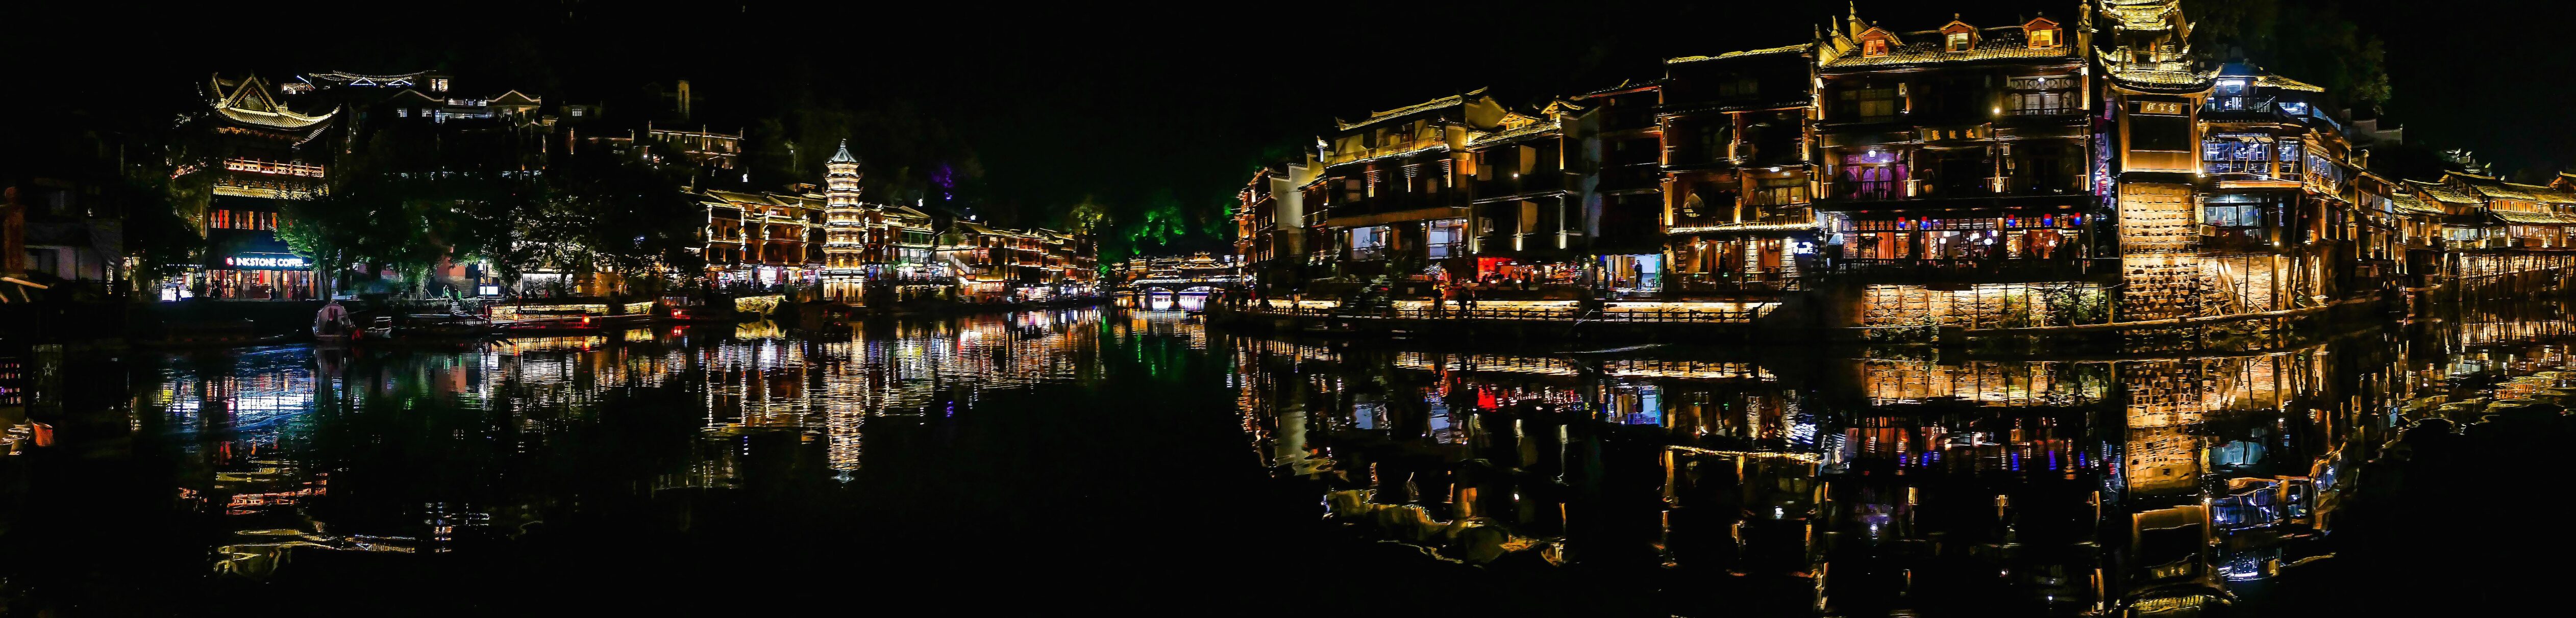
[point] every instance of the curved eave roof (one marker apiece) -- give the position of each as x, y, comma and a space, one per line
1439, 103
1739, 54
279, 119
2167, 81
1529, 131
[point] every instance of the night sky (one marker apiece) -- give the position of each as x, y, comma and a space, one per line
1121, 104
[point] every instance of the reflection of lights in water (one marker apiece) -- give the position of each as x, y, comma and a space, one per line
1785, 443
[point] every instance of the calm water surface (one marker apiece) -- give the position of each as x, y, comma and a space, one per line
1083, 461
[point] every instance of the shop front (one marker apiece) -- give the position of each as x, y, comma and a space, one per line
1972, 241
1740, 262
245, 276
1633, 274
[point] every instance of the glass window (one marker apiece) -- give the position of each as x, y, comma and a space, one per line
1444, 236
2043, 38
1958, 41
1873, 47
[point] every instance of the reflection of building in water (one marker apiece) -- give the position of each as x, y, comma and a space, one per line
1880, 483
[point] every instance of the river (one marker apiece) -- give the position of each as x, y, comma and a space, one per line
1082, 460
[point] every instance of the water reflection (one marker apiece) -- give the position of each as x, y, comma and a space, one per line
1902, 482
1667, 481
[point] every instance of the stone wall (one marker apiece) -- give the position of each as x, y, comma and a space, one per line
1993, 305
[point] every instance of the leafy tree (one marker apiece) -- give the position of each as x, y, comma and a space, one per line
2304, 40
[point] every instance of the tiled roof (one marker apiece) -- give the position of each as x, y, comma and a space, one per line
2004, 43
2408, 203
2491, 189
2544, 194
2531, 218
2284, 83
1739, 54
1511, 135
2140, 14
1442, 102
2159, 73
2445, 194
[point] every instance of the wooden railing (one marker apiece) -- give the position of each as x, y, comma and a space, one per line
1628, 314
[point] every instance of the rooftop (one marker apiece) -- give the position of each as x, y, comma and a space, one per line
1439, 103
1785, 49
2004, 43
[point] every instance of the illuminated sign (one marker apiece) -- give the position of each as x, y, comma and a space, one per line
267, 262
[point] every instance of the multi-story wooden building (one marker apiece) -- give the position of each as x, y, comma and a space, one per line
1271, 227
1619, 180
2082, 169
1958, 155
1391, 201
251, 152
764, 239
1739, 189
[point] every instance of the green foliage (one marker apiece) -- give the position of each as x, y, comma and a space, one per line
156, 233
592, 212
2301, 39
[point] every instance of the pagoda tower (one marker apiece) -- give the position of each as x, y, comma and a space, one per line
845, 233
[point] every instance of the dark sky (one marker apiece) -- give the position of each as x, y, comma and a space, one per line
1059, 101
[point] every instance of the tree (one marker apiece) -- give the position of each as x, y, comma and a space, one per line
604, 212
2307, 41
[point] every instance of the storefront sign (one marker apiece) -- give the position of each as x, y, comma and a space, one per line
267, 262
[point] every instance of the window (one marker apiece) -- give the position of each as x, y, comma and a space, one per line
1713, 143
576, 112
1780, 191
2234, 211
45, 261
2237, 154
437, 84
1873, 48
2229, 95
223, 219
404, 112
1444, 236
1740, 86
2039, 95
2043, 38
1959, 41
1870, 102
1368, 243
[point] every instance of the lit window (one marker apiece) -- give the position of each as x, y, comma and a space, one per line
437, 84
2043, 38
576, 112
1873, 48
1958, 41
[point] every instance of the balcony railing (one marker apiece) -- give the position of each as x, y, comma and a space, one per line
1764, 281
2238, 167
1881, 190
1934, 269
1870, 190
